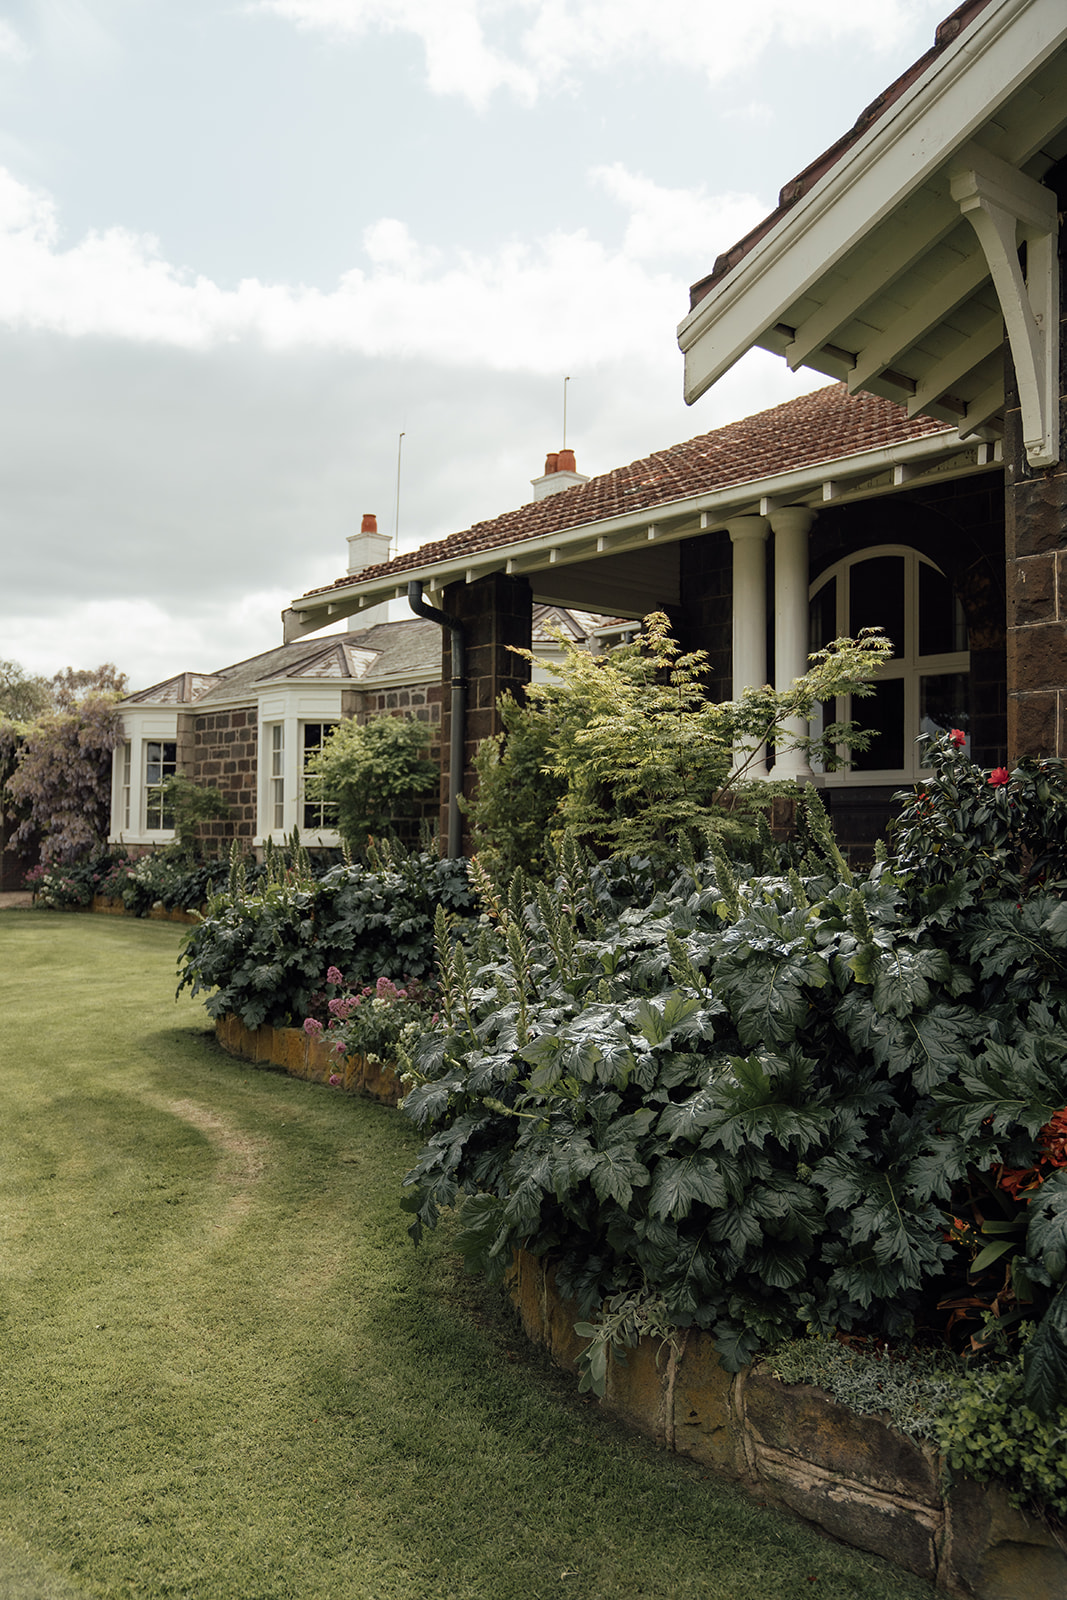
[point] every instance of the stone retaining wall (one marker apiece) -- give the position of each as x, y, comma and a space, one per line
116, 908
857, 1478
302, 1056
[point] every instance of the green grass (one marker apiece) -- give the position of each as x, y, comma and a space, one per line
225, 1372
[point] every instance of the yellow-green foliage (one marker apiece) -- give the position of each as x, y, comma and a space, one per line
628, 752
988, 1431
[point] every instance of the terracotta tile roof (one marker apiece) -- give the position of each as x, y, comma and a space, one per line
806, 180
822, 426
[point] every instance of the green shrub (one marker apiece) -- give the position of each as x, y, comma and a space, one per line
628, 753
263, 955
373, 772
757, 1097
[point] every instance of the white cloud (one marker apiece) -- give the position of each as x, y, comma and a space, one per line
151, 642
11, 45
688, 224
475, 47
534, 307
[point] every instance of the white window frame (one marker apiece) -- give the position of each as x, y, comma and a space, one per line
290, 712
326, 727
909, 667
129, 776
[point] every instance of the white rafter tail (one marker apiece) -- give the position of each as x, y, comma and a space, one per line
968, 354
939, 302
997, 200
981, 409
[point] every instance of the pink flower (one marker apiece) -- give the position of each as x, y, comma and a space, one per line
999, 777
386, 989
957, 737
334, 975
336, 1080
312, 1028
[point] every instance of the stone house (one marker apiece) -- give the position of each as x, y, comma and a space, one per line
916, 262
248, 729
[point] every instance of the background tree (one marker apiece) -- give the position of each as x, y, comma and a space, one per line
59, 776
374, 772
72, 685
23, 696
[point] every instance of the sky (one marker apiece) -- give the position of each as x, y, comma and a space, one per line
245, 247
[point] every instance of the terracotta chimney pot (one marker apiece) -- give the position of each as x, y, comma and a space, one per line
565, 461
551, 463
369, 523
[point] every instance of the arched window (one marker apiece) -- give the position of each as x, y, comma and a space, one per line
924, 688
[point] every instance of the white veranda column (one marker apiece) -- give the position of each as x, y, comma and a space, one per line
791, 525
748, 536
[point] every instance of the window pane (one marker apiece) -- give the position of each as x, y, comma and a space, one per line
943, 704
876, 600
822, 612
942, 626
316, 812
884, 711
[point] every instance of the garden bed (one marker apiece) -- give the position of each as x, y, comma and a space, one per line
856, 1477
306, 1056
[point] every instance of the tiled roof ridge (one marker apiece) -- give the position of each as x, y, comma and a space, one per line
797, 187
823, 424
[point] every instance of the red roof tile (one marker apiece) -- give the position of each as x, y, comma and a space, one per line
822, 426
806, 180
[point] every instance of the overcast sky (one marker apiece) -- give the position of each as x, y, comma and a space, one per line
244, 246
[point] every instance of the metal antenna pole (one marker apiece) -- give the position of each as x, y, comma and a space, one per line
396, 524
565, 383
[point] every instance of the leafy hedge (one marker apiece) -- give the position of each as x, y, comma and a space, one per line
265, 954
760, 1100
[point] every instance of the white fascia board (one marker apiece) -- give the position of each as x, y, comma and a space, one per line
571, 544
944, 108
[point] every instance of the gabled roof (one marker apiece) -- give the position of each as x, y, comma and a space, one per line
825, 426
806, 180
185, 688
892, 261
388, 652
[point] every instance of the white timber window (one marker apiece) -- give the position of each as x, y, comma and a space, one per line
160, 763
125, 765
276, 775
924, 688
316, 813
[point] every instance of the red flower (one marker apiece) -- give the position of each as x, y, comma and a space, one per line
957, 737
999, 777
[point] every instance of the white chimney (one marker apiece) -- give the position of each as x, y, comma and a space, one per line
559, 474
367, 548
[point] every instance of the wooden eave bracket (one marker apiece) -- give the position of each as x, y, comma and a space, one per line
1001, 203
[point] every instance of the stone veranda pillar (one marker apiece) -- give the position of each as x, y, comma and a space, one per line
496, 612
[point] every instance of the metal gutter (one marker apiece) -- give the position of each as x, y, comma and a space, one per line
709, 510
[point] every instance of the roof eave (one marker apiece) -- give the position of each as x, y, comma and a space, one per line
836, 479
920, 133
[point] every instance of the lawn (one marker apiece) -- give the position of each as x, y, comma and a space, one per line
226, 1373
